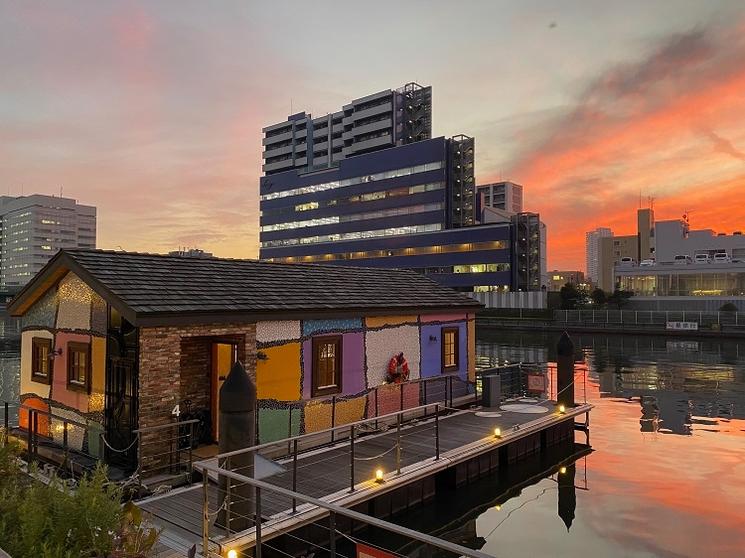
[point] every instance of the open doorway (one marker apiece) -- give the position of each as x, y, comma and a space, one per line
224, 355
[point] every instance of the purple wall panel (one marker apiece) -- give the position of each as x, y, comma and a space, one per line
353, 364
432, 350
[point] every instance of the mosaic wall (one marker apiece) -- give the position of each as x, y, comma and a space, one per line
284, 368
68, 313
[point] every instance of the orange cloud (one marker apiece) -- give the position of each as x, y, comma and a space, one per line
670, 126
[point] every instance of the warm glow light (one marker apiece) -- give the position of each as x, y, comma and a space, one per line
497, 507
562, 409
563, 470
497, 432
232, 553
379, 475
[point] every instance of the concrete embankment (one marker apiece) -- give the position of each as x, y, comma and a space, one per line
725, 331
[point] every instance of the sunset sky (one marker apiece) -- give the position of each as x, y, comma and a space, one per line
153, 111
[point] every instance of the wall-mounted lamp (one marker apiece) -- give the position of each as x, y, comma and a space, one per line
261, 355
433, 338
56, 352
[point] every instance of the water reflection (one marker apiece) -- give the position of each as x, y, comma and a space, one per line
665, 475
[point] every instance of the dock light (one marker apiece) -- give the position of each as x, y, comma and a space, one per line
562, 409
232, 553
378, 475
497, 432
562, 471
497, 507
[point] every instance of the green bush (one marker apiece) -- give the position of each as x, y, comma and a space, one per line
54, 520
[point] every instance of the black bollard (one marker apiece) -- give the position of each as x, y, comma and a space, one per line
237, 431
567, 494
565, 371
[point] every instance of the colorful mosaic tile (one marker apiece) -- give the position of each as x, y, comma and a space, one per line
383, 344
75, 433
387, 321
27, 384
389, 398
43, 420
74, 304
282, 330
43, 313
278, 376
322, 326
274, 424
318, 413
99, 315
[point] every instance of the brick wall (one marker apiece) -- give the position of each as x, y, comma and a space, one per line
196, 368
171, 365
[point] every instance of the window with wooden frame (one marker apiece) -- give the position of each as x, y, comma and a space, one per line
326, 366
79, 366
41, 363
450, 349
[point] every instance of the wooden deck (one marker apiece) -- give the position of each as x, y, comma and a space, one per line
325, 473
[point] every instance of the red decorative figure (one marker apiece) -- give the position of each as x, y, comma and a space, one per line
398, 369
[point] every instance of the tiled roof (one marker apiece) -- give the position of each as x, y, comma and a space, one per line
151, 284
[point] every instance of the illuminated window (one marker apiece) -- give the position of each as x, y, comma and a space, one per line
41, 350
326, 365
306, 206
78, 366
449, 349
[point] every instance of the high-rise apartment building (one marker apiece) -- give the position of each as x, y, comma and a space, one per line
385, 119
376, 189
507, 196
592, 252
32, 230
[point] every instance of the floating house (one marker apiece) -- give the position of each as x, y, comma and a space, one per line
113, 342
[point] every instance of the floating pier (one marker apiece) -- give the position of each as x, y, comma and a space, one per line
414, 452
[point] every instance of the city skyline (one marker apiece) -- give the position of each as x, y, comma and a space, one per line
155, 116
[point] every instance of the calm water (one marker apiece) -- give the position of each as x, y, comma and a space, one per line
666, 476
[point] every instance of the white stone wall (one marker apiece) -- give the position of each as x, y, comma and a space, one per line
383, 344
281, 330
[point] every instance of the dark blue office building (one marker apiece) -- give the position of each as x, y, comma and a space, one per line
400, 201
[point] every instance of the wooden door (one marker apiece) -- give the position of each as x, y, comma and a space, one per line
224, 355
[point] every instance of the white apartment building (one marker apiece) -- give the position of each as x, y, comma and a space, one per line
32, 230
507, 196
592, 252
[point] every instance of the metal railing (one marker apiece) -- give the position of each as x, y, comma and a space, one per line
334, 511
71, 442
650, 317
173, 454
447, 389
63, 437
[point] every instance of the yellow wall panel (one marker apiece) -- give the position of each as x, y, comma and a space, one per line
472, 350
350, 410
98, 373
380, 321
317, 416
278, 376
